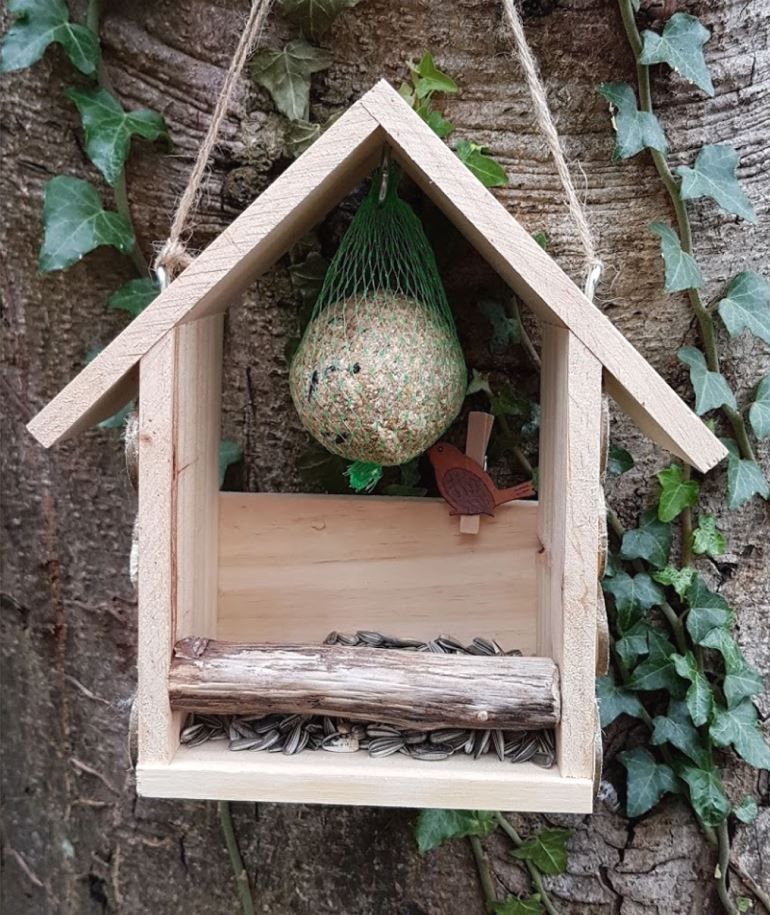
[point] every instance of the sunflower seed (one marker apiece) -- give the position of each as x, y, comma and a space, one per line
498, 741
291, 745
340, 743
429, 753
345, 639
412, 738
385, 746
481, 743
191, 732
484, 646
372, 639
331, 639
544, 760
446, 735
382, 730
449, 643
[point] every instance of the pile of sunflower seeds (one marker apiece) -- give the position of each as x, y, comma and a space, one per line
291, 733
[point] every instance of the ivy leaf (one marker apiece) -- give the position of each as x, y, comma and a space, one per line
38, 23
738, 726
746, 809
708, 610
634, 130
745, 306
681, 270
427, 78
632, 595
300, 135
720, 640
681, 47
657, 672
680, 734
479, 382
711, 388
619, 461
108, 128
437, 826
229, 453
518, 905
410, 479
75, 223
286, 75
651, 541
307, 277
647, 780
633, 644
489, 172
134, 296
440, 125
741, 684
679, 579
699, 696
744, 478
706, 794
759, 411
707, 539
677, 493
505, 330
547, 850
315, 17
713, 175
614, 701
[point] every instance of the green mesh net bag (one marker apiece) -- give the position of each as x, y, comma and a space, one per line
379, 374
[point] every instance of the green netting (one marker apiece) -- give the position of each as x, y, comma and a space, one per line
379, 374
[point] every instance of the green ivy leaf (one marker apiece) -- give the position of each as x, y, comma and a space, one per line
619, 461
713, 175
75, 223
300, 135
634, 130
647, 780
720, 640
633, 644
518, 905
410, 479
680, 734
505, 330
681, 47
676, 494
547, 850
614, 701
229, 453
489, 172
427, 78
286, 75
745, 306
741, 684
479, 382
708, 610
679, 579
699, 698
108, 128
746, 809
711, 388
437, 826
134, 296
651, 541
681, 270
632, 595
440, 125
706, 794
657, 672
38, 23
707, 539
759, 411
315, 17
738, 726
744, 478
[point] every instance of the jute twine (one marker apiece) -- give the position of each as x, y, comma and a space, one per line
173, 256
593, 265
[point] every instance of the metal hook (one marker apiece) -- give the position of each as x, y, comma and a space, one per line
384, 175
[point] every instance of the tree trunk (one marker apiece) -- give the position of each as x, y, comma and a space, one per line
76, 838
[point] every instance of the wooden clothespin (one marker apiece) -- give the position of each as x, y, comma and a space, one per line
476, 441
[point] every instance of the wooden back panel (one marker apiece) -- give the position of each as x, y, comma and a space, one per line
294, 567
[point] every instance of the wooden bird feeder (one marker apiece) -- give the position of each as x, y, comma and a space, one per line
248, 569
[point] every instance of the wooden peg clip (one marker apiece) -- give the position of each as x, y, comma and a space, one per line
476, 441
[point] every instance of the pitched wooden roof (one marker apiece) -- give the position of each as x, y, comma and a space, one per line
300, 197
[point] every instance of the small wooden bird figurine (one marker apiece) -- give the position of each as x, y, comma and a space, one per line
466, 487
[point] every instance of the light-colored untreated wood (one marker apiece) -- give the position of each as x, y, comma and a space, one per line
293, 567
570, 414
405, 688
602, 634
310, 187
212, 771
476, 441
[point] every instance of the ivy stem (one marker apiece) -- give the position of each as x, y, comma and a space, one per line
521, 458
119, 189
723, 843
482, 866
525, 340
702, 313
241, 877
534, 873
686, 518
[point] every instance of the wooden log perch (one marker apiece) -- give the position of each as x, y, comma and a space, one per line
405, 688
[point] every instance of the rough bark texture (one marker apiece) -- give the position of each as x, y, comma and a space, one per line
76, 839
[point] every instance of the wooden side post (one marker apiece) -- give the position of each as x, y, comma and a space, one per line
570, 403
476, 441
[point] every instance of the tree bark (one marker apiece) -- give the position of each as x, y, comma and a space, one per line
76, 838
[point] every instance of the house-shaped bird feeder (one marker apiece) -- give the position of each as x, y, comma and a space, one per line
236, 591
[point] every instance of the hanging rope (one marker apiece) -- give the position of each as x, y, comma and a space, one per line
173, 256
593, 265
